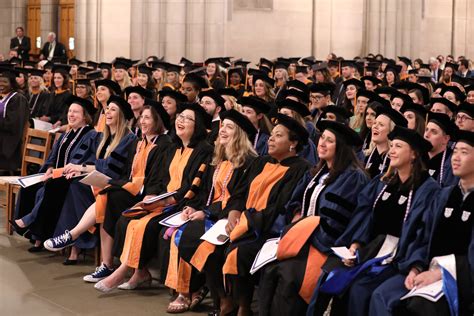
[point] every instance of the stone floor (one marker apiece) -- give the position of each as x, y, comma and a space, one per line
38, 284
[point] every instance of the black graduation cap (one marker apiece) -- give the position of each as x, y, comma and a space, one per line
296, 106
36, 72
86, 82
238, 70
197, 80
296, 84
301, 69
122, 63
216, 60
59, 60
8, 72
48, 65
465, 137
412, 107
469, 88
415, 140
416, 86
324, 88
466, 108
320, 66
264, 78
385, 90
75, 61
241, 63
458, 79
404, 97
199, 71
241, 120
198, 111
81, 70
413, 71
405, 60
355, 82
211, 93
144, 93
348, 135
392, 114
256, 103
452, 106
341, 113
94, 65
29, 64
443, 121
228, 91
94, 75
294, 60
265, 62
348, 63
124, 106
424, 78
86, 104
293, 125
184, 62
144, 69
281, 64
457, 92
366, 93
393, 68
160, 110
451, 65
105, 66
22, 70
373, 79
265, 70
112, 85
61, 68
373, 66
425, 66
161, 65
176, 95
333, 63
301, 96
308, 61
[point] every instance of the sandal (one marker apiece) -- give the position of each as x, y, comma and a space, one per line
198, 297
178, 306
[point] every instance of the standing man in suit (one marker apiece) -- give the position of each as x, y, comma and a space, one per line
21, 44
52, 48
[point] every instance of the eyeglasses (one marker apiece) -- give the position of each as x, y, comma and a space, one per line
316, 97
185, 118
463, 118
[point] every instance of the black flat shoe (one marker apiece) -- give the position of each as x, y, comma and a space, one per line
19, 230
36, 249
69, 262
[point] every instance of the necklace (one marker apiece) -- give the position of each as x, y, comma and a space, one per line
214, 182
66, 155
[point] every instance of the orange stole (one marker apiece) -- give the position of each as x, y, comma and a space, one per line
134, 186
100, 127
291, 244
224, 175
177, 166
179, 273
134, 239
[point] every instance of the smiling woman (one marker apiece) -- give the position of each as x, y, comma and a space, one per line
13, 118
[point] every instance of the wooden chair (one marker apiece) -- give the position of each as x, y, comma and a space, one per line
36, 149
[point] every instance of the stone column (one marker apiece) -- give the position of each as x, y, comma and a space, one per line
152, 28
175, 29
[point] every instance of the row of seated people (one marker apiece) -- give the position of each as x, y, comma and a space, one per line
312, 206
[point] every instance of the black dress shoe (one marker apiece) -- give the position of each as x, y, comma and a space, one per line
69, 262
36, 249
20, 230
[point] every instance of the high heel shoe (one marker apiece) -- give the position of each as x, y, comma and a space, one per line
132, 286
19, 230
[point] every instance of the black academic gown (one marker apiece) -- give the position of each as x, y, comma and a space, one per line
57, 110
12, 126
38, 104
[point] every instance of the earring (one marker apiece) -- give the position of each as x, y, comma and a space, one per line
291, 149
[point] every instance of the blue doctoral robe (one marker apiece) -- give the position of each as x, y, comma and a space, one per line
412, 246
80, 196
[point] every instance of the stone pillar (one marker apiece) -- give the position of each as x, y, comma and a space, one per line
197, 24
214, 31
175, 29
49, 18
138, 29
152, 28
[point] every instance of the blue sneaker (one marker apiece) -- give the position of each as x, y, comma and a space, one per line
100, 273
60, 242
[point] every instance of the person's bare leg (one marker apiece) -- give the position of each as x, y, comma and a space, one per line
139, 275
106, 243
74, 253
87, 221
20, 223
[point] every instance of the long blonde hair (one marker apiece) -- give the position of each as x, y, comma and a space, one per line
42, 86
126, 82
372, 144
237, 151
122, 130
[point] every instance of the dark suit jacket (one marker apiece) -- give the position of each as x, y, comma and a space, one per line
59, 50
23, 49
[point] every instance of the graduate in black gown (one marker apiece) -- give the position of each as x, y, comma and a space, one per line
57, 108
137, 232
450, 250
256, 109
77, 146
325, 198
38, 96
136, 97
232, 156
213, 103
258, 207
14, 113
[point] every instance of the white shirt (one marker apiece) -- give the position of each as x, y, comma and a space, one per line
52, 46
